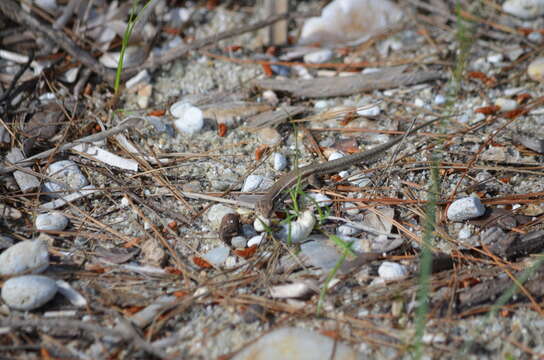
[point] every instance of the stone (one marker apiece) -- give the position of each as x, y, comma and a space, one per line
217, 256
54, 221
238, 242
536, 69
252, 183
27, 255
370, 111
279, 161
391, 271
68, 175
189, 118
319, 254
506, 104
28, 292
296, 343
25, 181
256, 240
466, 208
319, 56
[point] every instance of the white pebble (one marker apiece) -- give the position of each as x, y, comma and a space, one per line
51, 221
318, 57
419, 102
252, 183
238, 242
536, 69
28, 292
525, 9
295, 290
299, 230
466, 208
391, 271
189, 118
322, 200
68, 175
439, 99
319, 254
270, 97
256, 240
369, 111
279, 161
335, 155
141, 78
464, 233
535, 37
506, 104
261, 223
217, 256
28, 255
495, 58
321, 104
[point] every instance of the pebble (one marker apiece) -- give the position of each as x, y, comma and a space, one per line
531, 142
270, 97
299, 230
25, 181
252, 183
141, 78
296, 343
495, 58
319, 254
439, 99
269, 136
536, 69
27, 255
217, 256
261, 223
256, 240
466, 208
133, 56
318, 57
216, 213
419, 102
335, 155
28, 292
189, 118
51, 221
5, 137
279, 161
322, 200
465, 232
238, 242
391, 271
294, 290
351, 208
369, 111
67, 173
506, 104
535, 37
525, 9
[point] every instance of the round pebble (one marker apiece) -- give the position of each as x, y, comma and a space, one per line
261, 223
189, 118
439, 99
252, 183
238, 242
335, 155
536, 69
28, 255
51, 221
506, 104
279, 161
391, 271
28, 292
68, 175
256, 240
322, 200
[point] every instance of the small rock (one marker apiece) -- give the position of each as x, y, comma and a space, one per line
141, 78
531, 142
536, 69
419, 102
296, 290
295, 343
370, 111
28, 255
506, 104
270, 97
350, 208
318, 57
133, 56
254, 312
495, 58
465, 208
216, 213
5, 137
299, 230
68, 175
321, 200
279, 162
252, 183
217, 256
261, 223
28, 292
153, 253
25, 181
525, 9
535, 37
335, 155
51, 221
229, 227
346, 230
5, 242
391, 271
256, 240
269, 136
189, 118
464, 233
439, 99
238, 242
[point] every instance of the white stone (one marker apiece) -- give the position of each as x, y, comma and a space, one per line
28, 292
391, 271
261, 223
536, 69
295, 290
68, 175
71, 294
466, 208
318, 57
525, 9
335, 155
270, 97
321, 200
133, 55
238, 242
369, 111
217, 256
296, 343
51, 221
279, 161
506, 104
464, 233
495, 58
299, 230
27, 255
26, 181
189, 118
216, 213
252, 183
439, 99
256, 240
419, 102
321, 104
140, 78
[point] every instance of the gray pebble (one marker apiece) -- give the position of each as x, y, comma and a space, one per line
68, 175
51, 221
238, 242
466, 208
28, 292
279, 162
24, 256
217, 256
252, 183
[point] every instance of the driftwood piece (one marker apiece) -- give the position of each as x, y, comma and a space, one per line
348, 85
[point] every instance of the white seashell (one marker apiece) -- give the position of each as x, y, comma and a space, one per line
295, 290
299, 230
392, 271
369, 111
28, 292
28, 255
51, 221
